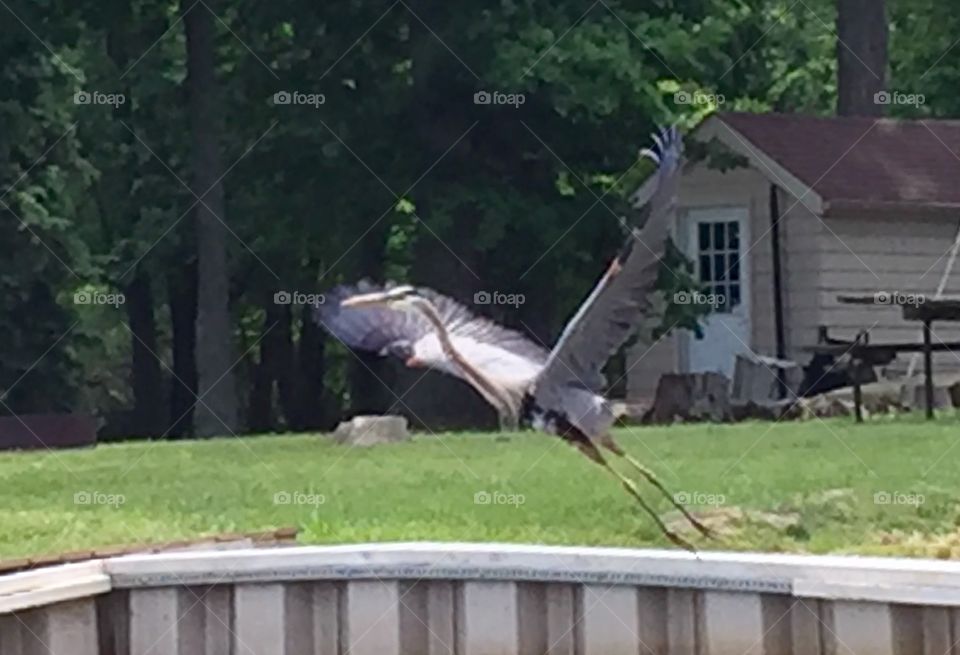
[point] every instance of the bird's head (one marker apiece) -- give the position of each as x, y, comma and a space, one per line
404, 297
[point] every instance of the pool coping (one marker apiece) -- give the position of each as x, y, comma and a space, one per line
836, 577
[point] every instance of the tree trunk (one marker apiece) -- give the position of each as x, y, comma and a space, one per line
182, 289
275, 365
219, 411
260, 407
282, 358
146, 378
311, 365
861, 57
370, 377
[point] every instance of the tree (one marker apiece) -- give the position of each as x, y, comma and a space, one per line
219, 410
861, 57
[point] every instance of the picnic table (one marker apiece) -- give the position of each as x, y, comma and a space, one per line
863, 353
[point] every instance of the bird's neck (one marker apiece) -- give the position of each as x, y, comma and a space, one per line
499, 396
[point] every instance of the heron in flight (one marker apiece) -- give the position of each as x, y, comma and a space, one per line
558, 391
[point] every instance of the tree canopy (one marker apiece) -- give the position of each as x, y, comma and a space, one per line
465, 146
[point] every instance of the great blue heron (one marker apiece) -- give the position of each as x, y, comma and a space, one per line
560, 391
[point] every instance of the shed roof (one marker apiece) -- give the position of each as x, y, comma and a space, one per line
856, 162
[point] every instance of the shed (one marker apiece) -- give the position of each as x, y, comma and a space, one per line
826, 206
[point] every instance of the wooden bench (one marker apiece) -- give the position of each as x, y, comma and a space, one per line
864, 353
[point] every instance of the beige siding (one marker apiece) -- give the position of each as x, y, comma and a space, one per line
863, 256
701, 188
800, 266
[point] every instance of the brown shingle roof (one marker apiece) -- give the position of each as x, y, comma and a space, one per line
860, 161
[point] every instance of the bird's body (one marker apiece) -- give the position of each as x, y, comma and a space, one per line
558, 391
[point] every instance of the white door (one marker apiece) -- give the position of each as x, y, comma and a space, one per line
717, 242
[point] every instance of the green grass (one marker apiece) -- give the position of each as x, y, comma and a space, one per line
425, 489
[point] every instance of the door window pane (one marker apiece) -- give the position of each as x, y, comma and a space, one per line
704, 235
718, 236
718, 262
705, 268
719, 268
734, 295
733, 266
733, 231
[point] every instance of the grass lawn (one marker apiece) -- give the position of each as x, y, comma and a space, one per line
820, 478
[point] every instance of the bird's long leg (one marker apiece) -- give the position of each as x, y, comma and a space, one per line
607, 442
590, 450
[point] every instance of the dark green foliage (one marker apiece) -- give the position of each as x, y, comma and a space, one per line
674, 281
397, 174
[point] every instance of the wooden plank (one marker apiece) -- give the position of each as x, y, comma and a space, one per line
326, 618
487, 623
113, 622
806, 627
777, 610
191, 621
532, 618
259, 624
907, 627
371, 618
72, 628
218, 620
441, 636
937, 639
954, 631
733, 622
608, 620
414, 626
682, 621
862, 628
298, 619
33, 632
652, 620
10, 641
153, 621
561, 613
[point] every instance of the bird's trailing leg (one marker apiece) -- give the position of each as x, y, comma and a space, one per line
590, 450
607, 442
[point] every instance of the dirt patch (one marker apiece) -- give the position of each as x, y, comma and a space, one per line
731, 521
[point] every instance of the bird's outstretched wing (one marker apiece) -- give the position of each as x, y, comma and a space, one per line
621, 300
501, 354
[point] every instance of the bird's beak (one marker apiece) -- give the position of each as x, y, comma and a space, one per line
365, 300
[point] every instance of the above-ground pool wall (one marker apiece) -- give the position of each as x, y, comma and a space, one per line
465, 599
